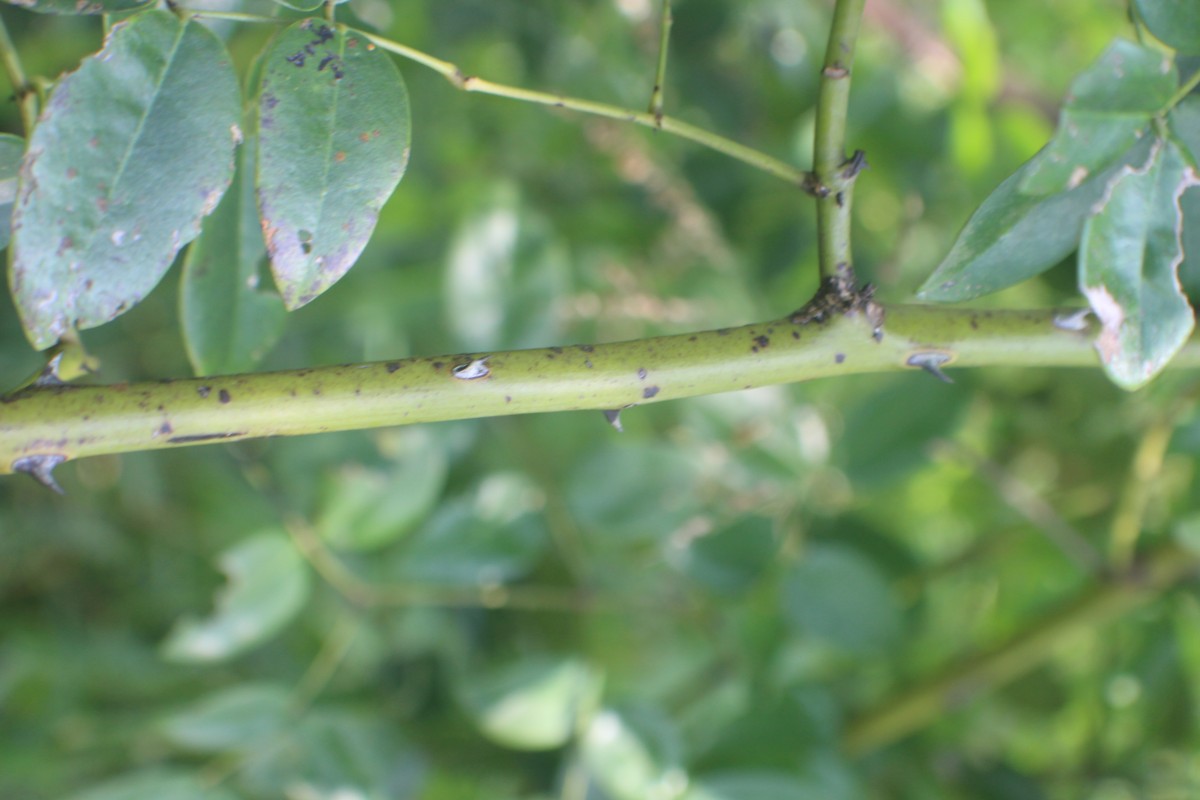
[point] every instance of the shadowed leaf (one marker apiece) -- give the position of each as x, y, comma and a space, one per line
334, 136
133, 149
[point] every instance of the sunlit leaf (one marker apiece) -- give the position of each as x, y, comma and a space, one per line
505, 277
837, 595
133, 149
1128, 262
1014, 236
268, 584
634, 754
334, 135
11, 150
237, 718
155, 785
1109, 107
228, 322
78, 6
1174, 22
367, 508
536, 703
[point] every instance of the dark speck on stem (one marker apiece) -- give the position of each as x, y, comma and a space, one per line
223, 397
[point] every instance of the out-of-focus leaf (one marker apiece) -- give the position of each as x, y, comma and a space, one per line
729, 559
874, 455
1108, 108
333, 143
11, 150
505, 277
536, 703
268, 584
368, 508
492, 536
237, 718
1014, 236
155, 785
78, 6
228, 322
1128, 263
634, 754
331, 755
631, 493
1174, 22
134, 148
822, 776
838, 596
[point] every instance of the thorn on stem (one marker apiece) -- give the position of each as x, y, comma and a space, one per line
41, 469
854, 165
932, 363
614, 419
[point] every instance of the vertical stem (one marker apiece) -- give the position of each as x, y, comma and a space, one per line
660, 73
833, 174
22, 89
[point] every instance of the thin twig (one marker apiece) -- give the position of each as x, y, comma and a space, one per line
363, 593
684, 130
833, 174
1033, 508
23, 91
660, 72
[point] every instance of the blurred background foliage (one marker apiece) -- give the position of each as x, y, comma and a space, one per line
713, 603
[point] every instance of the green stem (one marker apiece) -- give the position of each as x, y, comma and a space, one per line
921, 705
1184, 90
24, 91
648, 119
40, 426
833, 178
660, 72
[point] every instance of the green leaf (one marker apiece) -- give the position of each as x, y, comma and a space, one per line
268, 584
1173, 22
228, 323
629, 493
492, 536
367, 508
155, 785
536, 703
1184, 122
837, 595
1108, 109
78, 6
337, 754
238, 718
634, 754
728, 560
11, 150
133, 150
1014, 236
506, 277
334, 128
1128, 262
